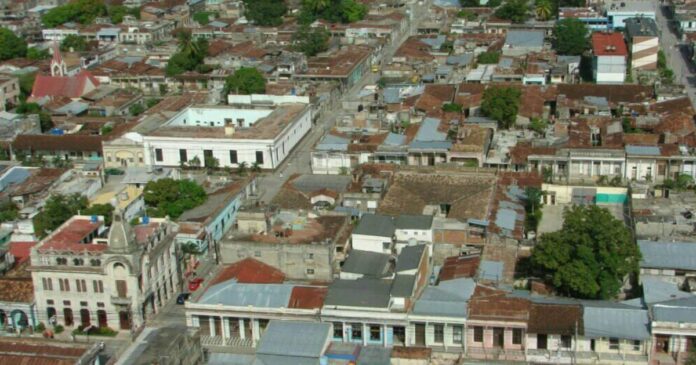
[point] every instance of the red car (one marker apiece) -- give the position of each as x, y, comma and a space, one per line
195, 284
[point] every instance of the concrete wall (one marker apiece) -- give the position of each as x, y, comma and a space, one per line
370, 243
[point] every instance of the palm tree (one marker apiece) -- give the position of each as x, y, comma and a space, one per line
543, 9
187, 45
316, 5
241, 169
256, 167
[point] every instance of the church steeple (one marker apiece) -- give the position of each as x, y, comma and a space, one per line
58, 66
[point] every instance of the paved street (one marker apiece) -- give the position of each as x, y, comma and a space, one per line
677, 55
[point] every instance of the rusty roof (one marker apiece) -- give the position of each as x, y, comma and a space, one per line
250, 271
67, 142
487, 304
307, 297
459, 267
70, 237
17, 290
562, 319
39, 352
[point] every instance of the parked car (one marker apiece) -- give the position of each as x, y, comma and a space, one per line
182, 298
195, 284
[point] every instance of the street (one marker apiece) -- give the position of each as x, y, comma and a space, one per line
676, 54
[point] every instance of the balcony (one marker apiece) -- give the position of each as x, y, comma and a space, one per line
231, 343
121, 300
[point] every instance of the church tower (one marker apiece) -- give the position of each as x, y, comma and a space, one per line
121, 238
58, 66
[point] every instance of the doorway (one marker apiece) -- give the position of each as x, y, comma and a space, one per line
662, 344
498, 337
84, 317
420, 334
124, 320
68, 317
542, 341
101, 318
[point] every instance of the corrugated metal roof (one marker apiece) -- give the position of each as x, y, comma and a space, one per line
375, 355
242, 295
643, 150
409, 258
656, 290
679, 310
669, 255
394, 139
490, 270
524, 38
368, 263
413, 221
333, 143
294, 338
375, 225
216, 358
506, 219
600, 321
402, 286
447, 299
310, 183
374, 293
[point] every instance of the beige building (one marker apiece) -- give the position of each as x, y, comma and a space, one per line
9, 90
125, 151
85, 273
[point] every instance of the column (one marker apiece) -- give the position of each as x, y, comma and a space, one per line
365, 330
242, 333
211, 320
225, 328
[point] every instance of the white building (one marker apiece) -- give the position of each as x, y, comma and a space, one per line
620, 10
609, 61
249, 132
84, 273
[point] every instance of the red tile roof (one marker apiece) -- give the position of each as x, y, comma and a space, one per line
70, 235
307, 297
16, 290
21, 250
72, 86
37, 352
67, 142
250, 271
608, 44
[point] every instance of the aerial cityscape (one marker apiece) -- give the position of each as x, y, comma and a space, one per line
347, 182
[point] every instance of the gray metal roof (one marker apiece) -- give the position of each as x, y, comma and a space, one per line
679, 310
310, 183
506, 219
242, 295
669, 255
413, 221
217, 358
640, 27
449, 299
368, 263
294, 338
608, 321
367, 292
409, 258
374, 355
525, 38
657, 290
74, 108
375, 225
262, 359
402, 286
460, 59
643, 150
490, 270
332, 143
394, 139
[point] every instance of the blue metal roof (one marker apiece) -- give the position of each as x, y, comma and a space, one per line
391, 95
525, 38
679, 310
294, 338
668, 255
447, 299
394, 139
333, 143
491, 270
230, 293
506, 219
643, 150
607, 321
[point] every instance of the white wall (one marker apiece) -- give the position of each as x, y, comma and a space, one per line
418, 234
643, 168
329, 162
370, 243
276, 99
610, 69
196, 116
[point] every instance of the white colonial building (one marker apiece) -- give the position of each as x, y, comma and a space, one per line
255, 130
85, 273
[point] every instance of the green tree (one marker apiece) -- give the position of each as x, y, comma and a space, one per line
172, 197
118, 12
452, 107
74, 43
58, 209
136, 109
242, 168
571, 36
543, 9
513, 10
467, 14
691, 358
151, 102
590, 256
8, 212
37, 54
106, 210
190, 56
211, 163
311, 41
26, 84
488, 57
333, 11
45, 121
316, 6
11, 46
202, 17
255, 167
245, 81
532, 208
265, 12
538, 125
81, 11
352, 11
501, 104
683, 181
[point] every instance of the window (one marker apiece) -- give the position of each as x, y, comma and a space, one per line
375, 333
183, 157
338, 330
98, 286
64, 284
310, 271
259, 157
566, 341
636, 345
439, 333
310, 256
78, 262
356, 330
613, 343
81, 285
542, 341
83, 304
516, 336
457, 337
61, 261
478, 334
158, 155
47, 283
49, 302
257, 253
66, 303
233, 156
100, 304
95, 262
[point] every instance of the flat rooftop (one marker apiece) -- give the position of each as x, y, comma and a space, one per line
74, 235
268, 127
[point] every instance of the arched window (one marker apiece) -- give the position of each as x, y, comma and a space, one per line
61, 261
78, 262
95, 262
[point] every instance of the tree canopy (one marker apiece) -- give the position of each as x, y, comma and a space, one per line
8, 212
106, 210
118, 12
190, 56
172, 197
57, 210
590, 256
73, 42
501, 104
265, 12
333, 11
36, 54
513, 10
311, 41
81, 11
477, 3
245, 81
11, 46
571, 36
488, 57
